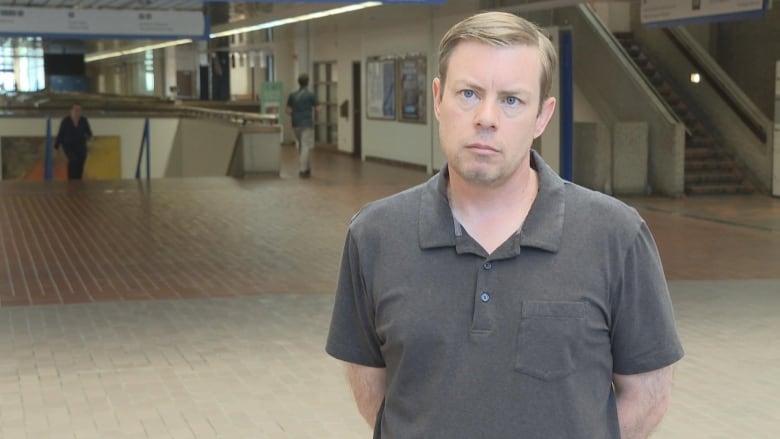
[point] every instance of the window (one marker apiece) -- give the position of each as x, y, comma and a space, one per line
21, 65
149, 70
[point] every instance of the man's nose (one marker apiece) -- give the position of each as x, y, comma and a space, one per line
486, 115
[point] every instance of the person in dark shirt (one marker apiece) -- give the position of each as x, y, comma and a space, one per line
73, 136
301, 105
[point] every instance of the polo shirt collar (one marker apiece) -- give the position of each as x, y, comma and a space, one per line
542, 229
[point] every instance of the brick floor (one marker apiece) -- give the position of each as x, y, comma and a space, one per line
241, 274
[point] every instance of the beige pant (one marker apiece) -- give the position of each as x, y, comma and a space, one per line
305, 137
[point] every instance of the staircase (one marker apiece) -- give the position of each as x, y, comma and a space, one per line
709, 169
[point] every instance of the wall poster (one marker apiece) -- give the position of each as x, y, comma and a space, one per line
413, 80
380, 89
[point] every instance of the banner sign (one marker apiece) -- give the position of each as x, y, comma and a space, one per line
677, 12
102, 23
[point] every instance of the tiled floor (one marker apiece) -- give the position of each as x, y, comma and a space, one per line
242, 273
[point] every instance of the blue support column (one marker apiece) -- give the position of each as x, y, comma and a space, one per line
144, 143
148, 150
567, 105
48, 165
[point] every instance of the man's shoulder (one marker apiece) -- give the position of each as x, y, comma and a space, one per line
598, 208
389, 212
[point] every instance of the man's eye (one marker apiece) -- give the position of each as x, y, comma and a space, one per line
468, 94
511, 100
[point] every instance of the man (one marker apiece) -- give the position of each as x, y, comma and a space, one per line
301, 105
73, 136
497, 300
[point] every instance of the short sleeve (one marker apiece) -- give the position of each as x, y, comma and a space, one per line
644, 334
352, 336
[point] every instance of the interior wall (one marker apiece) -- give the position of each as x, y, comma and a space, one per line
206, 147
385, 37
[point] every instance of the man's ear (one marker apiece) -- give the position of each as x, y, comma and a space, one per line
436, 86
544, 116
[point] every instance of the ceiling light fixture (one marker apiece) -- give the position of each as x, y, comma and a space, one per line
240, 30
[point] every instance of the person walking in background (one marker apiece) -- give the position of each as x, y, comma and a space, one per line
73, 135
301, 105
498, 300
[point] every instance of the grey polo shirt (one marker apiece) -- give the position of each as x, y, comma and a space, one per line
521, 343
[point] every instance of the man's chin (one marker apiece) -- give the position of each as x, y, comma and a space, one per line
481, 177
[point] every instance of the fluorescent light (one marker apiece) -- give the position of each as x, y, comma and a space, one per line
116, 53
240, 30
304, 17
695, 78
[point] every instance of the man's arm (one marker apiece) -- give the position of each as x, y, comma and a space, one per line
87, 130
368, 387
642, 400
60, 134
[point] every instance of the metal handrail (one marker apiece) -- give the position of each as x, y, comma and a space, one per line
743, 106
633, 70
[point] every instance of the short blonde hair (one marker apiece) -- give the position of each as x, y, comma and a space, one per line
500, 29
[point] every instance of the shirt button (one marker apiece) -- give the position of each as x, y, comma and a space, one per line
487, 265
485, 296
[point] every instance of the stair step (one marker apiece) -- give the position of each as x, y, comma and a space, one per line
719, 189
665, 90
675, 101
701, 153
679, 105
699, 164
633, 50
713, 178
700, 142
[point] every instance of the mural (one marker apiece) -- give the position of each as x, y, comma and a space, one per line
23, 158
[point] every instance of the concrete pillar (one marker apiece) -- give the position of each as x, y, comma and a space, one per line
629, 158
592, 158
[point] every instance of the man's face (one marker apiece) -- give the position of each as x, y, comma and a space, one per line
489, 112
75, 112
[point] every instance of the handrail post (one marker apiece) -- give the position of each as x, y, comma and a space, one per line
144, 142
47, 161
148, 151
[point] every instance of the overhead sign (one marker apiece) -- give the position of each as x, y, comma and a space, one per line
387, 2
677, 12
102, 23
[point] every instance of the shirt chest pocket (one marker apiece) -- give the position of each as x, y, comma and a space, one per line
549, 342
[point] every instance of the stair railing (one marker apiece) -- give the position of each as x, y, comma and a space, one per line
632, 68
728, 90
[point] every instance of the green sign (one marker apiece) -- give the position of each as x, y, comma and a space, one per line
271, 98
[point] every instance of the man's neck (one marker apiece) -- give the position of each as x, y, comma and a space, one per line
491, 214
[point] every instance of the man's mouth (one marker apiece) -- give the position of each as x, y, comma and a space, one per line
481, 147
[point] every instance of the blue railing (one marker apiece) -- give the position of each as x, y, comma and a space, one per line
48, 163
144, 145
